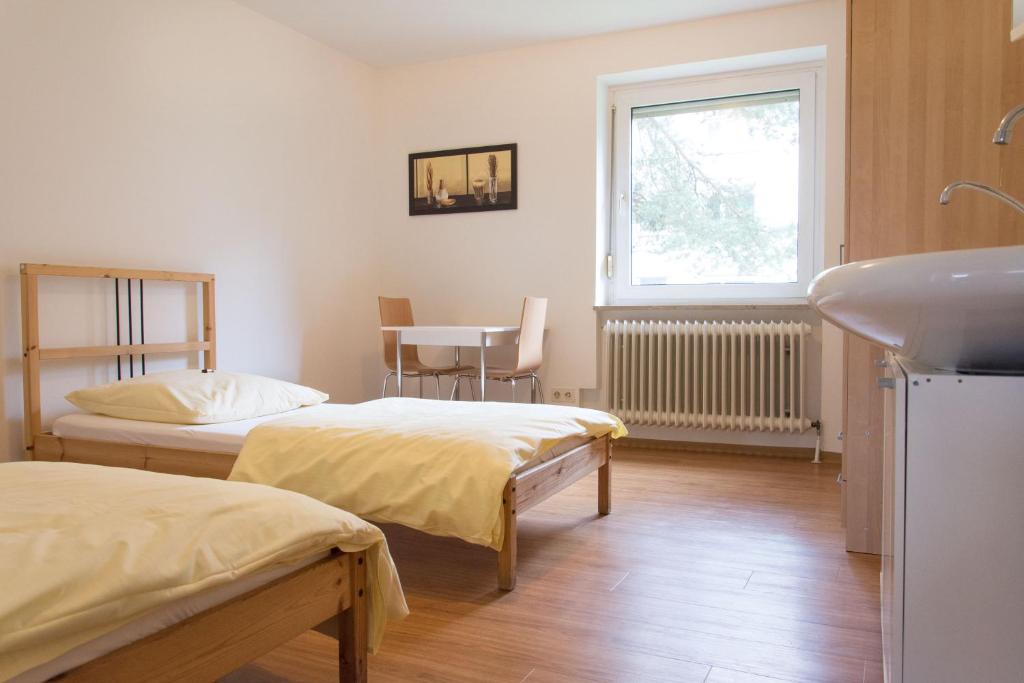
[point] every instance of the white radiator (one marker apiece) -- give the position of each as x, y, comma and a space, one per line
719, 375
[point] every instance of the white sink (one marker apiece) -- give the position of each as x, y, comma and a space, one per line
950, 310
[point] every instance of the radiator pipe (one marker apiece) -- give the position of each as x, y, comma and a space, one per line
817, 443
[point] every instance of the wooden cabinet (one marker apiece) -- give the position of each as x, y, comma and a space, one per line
927, 85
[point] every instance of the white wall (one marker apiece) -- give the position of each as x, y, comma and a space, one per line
193, 135
198, 135
548, 99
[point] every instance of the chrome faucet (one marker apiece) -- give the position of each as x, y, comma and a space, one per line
980, 187
1001, 137
1002, 134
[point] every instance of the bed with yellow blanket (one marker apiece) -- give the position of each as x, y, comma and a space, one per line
458, 469
462, 469
116, 574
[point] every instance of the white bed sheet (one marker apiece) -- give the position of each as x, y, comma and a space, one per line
157, 620
225, 437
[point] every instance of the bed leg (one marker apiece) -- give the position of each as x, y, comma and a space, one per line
604, 484
507, 554
353, 638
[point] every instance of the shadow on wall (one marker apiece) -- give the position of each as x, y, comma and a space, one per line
11, 388
340, 351
10, 431
10, 352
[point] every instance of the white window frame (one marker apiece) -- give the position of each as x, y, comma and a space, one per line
810, 232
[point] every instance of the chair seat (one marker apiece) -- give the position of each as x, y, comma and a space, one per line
417, 368
495, 373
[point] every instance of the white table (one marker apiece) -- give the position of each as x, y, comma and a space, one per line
481, 336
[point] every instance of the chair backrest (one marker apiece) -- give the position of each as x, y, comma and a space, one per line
396, 313
530, 353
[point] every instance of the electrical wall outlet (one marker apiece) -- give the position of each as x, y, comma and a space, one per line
564, 397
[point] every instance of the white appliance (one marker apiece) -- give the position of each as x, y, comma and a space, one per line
953, 526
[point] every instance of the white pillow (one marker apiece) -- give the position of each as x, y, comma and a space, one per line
195, 397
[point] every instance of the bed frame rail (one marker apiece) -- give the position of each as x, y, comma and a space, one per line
329, 595
33, 355
535, 485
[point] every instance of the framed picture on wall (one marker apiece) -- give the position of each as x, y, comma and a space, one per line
462, 180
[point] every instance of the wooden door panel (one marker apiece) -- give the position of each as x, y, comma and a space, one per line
928, 83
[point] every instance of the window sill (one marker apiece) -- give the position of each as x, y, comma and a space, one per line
794, 304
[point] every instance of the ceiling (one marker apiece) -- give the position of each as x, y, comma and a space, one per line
387, 33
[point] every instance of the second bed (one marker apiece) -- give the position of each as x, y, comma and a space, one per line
441, 500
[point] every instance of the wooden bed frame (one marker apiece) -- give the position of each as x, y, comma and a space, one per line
524, 489
329, 595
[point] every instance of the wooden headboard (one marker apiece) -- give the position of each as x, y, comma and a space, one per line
33, 355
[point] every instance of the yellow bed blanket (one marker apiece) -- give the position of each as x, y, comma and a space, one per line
85, 549
436, 466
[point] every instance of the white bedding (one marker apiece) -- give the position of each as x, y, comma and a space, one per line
225, 437
157, 620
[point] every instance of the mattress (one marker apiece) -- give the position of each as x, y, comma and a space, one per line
226, 437
158, 619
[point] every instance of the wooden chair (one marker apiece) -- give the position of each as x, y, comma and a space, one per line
529, 353
398, 313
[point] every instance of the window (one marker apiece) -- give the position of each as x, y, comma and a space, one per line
716, 187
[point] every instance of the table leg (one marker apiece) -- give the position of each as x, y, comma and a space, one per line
457, 364
398, 359
483, 366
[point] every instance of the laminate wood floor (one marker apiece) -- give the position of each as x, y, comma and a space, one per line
711, 568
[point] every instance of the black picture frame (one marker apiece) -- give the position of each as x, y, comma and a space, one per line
464, 193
